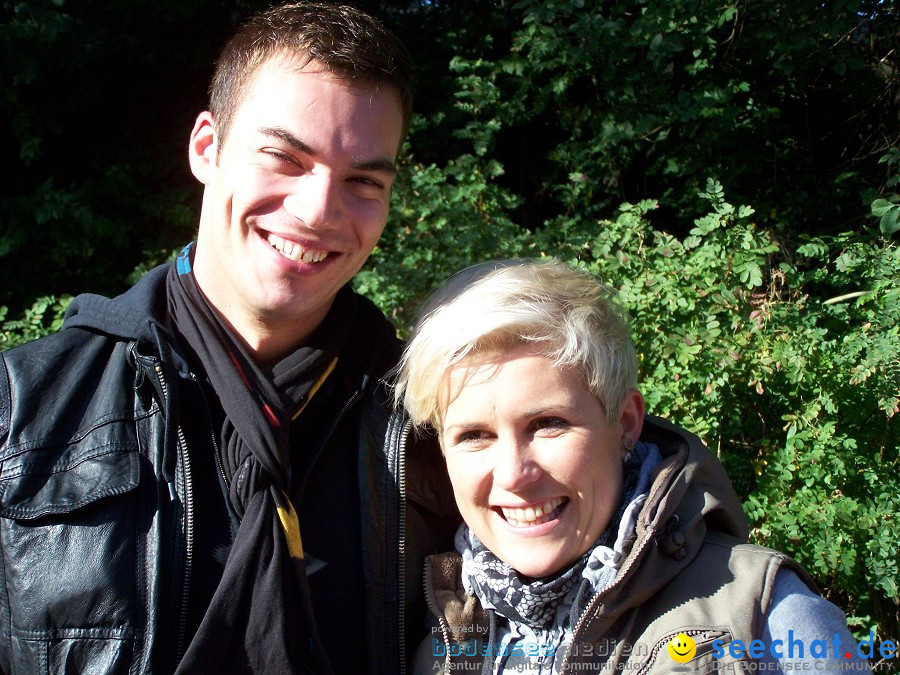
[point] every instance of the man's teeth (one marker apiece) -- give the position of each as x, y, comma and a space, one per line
532, 515
294, 251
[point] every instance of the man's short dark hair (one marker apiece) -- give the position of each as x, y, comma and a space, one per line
350, 45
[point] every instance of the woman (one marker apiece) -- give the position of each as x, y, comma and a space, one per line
595, 538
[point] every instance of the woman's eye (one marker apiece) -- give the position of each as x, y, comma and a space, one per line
549, 423
470, 437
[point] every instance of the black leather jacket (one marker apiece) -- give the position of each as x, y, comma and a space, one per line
97, 504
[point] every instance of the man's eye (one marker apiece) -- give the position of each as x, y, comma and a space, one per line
368, 182
281, 157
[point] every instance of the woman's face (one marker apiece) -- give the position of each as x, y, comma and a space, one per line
535, 465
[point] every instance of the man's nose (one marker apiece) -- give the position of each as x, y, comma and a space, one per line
315, 200
515, 467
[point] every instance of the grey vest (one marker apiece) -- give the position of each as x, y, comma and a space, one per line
723, 594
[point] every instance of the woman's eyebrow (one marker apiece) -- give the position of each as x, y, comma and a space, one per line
552, 409
463, 426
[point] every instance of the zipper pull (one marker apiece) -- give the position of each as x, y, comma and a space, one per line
172, 495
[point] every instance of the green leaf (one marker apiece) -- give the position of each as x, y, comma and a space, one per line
882, 207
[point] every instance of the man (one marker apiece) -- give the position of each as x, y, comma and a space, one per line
202, 474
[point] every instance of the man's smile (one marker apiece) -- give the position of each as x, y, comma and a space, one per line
294, 251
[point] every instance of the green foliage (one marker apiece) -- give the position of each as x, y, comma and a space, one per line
45, 316
772, 333
888, 209
442, 220
789, 108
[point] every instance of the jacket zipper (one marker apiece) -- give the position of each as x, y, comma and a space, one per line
212, 433
445, 627
632, 560
582, 621
188, 505
401, 545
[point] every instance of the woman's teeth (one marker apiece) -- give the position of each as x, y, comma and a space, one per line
295, 252
532, 515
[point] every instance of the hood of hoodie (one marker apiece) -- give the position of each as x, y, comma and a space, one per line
139, 314
690, 495
130, 316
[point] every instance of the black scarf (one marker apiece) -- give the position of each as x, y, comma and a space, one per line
260, 618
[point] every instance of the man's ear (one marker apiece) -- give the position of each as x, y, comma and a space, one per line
631, 416
203, 147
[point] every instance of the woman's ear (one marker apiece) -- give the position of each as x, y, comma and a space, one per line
631, 417
203, 147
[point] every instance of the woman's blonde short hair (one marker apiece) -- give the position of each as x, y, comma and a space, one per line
566, 314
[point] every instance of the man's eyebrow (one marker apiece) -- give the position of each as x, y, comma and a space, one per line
287, 137
382, 165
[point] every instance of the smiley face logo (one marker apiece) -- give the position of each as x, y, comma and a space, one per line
682, 648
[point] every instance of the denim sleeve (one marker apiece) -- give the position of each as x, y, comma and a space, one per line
804, 628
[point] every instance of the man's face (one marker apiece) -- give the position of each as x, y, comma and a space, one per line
296, 196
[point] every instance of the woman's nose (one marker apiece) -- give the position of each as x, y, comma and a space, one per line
515, 468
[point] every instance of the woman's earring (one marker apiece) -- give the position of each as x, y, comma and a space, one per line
629, 444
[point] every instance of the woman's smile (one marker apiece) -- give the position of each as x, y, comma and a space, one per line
533, 515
